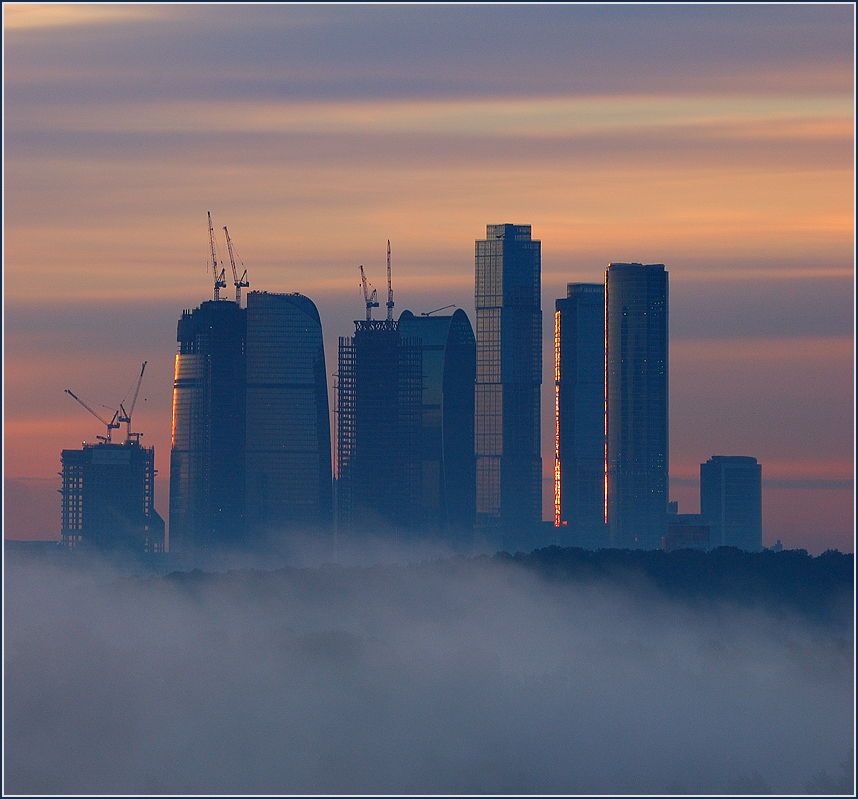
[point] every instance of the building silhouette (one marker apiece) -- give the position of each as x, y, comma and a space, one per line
685, 530
448, 478
636, 386
108, 499
251, 455
288, 439
579, 378
379, 409
731, 501
509, 375
207, 460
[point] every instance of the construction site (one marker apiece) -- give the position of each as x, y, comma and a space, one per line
108, 490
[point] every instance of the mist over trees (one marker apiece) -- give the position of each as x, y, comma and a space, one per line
556, 671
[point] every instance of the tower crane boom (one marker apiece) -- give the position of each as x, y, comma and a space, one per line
113, 424
219, 277
389, 287
371, 300
429, 313
243, 281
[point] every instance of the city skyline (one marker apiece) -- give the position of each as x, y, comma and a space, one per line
315, 148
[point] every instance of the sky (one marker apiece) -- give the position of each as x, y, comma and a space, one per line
716, 139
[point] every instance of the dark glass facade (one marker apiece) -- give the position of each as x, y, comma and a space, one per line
251, 452
108, 499
379, 406
509, 376
288, 444
207, 461
636, 386
579, 381
448, 478
731, 501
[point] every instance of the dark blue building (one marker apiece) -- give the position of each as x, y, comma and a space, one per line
579, 379
731, 501
207, 459
288, 435
636, 386
379, 418
251, 450
447, 463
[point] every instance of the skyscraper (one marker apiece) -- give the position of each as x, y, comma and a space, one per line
579, 377
108, 498
207, 461
636, 379
288, 439
251, 453
509, 375
379, 405
731, 501
448, 480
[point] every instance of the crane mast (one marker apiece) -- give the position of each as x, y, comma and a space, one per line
219, 277
126, 417
371, 300
389, 287
238, 283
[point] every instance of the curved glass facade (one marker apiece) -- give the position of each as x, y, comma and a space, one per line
288, 449
251, 453
448, 465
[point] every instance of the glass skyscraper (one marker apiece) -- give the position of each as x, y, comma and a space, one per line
448, 482
251, 453
509, 376
207, 460
288, 439
636, 381
731, 501
579, 379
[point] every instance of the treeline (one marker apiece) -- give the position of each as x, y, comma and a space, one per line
821, 586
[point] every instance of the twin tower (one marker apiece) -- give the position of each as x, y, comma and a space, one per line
438, 430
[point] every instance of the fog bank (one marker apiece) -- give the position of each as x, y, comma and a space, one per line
457, 676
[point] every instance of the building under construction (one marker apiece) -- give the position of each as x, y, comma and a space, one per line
405, 422
379, 383
109, 491
109, 498
251, 450
378, 428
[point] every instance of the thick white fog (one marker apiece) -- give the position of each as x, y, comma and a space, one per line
439, 678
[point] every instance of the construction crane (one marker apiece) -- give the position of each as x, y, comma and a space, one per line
429, 313
126, 417
243, 281
389, 287
371, 300
113, 424
219, 277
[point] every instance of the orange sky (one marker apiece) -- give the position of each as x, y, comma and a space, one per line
717, 140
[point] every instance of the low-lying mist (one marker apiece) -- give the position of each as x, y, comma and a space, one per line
452, 676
